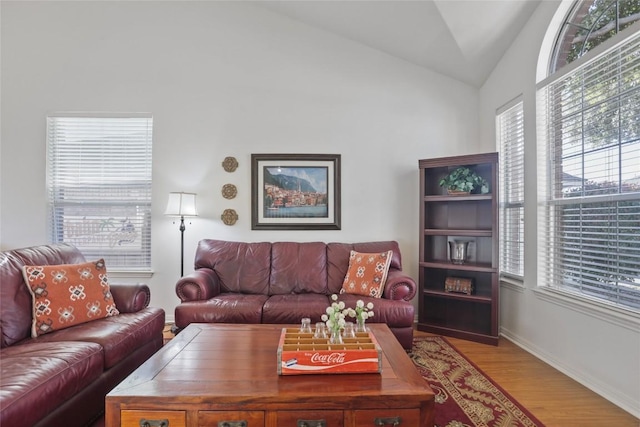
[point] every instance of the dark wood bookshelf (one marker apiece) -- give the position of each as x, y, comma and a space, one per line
473, 218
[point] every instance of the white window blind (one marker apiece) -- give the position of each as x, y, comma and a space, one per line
510, 134
589, 176
99, 186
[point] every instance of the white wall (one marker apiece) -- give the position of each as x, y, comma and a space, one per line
599, 350
224, 79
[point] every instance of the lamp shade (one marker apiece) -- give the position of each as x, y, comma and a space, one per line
181, 204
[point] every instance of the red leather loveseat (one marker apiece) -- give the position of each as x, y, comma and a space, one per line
283, 282
61, 378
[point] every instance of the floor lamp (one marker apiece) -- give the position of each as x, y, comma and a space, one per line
181, 205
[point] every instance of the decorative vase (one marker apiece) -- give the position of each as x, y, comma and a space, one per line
458, 251
336, 337
360, 327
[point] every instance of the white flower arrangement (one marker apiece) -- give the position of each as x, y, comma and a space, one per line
363, 312
335, 314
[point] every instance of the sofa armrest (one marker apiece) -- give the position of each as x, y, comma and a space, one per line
201, 285
399, 286
130, 297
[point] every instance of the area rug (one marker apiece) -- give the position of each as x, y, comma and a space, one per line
465, 396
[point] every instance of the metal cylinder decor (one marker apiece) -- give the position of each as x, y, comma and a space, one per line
458, 251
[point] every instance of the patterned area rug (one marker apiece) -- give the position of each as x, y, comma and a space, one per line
465, 396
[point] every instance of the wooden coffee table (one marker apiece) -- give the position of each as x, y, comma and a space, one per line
224, 375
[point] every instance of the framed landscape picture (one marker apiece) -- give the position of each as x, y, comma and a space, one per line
295, 191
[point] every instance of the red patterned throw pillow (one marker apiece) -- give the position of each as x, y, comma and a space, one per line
367, 273
68, 295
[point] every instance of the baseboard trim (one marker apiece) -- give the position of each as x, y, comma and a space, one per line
593, 384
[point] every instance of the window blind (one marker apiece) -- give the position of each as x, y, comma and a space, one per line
510, 134
589, 177
99, 186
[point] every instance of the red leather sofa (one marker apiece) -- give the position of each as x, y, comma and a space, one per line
61, 378
282, 282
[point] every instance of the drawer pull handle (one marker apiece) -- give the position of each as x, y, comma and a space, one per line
242, 423
391, 421
154, 423
312, 423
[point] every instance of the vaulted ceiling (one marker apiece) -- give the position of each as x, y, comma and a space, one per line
463, 39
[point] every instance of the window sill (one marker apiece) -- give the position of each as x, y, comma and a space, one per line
120, 274
598, 310
512, 283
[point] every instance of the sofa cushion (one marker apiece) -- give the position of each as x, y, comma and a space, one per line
286, 275
38, 377
68, 294
118, 335
241, 267
223, 308
396, 260
367, 273
292, 308
394, 313
15, 299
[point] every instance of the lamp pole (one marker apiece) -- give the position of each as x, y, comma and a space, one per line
182, 228
181, 204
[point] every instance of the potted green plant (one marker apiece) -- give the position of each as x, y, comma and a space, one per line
463, 180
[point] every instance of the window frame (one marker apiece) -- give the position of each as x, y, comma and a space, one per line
509, 124
87, 153
547, 186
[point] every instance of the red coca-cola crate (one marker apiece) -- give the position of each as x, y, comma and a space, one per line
301, 353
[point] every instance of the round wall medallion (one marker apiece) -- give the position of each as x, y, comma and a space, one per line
229, 191
230, 164
229, 216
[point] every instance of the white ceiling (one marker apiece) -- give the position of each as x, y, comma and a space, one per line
463, 39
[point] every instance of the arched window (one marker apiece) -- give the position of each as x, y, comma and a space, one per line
588, 24
589, 156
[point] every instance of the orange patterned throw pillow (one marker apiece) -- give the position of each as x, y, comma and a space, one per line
67, 295
367, 273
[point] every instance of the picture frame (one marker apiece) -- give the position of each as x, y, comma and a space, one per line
295, 191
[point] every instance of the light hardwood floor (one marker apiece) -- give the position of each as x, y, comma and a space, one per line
554, 398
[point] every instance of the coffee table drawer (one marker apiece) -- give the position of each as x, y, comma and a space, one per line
132, 418
231, 418
387, 417
310, 419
